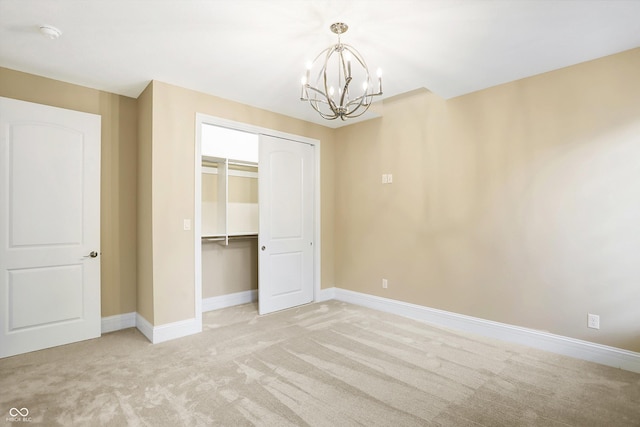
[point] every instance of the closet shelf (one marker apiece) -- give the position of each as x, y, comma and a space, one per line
213, 160
224, 219
230, 237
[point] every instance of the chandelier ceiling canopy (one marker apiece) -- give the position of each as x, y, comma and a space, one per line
337, 83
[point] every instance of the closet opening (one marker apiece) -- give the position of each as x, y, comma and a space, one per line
257, 217
229, 212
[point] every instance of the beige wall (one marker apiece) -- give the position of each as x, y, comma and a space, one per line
118, 175
229, 269
518, 204
172, 193
144, 290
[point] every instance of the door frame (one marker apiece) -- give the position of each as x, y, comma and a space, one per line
197, 226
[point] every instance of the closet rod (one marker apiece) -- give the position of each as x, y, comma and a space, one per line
232, 237
238, 163
243, 237
212, 239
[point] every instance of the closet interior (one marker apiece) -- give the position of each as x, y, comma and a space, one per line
229, 216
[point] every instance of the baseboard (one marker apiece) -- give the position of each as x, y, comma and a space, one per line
144, 327
157, 334
605, 355
117, 322
229, 300
326, 295
169, 331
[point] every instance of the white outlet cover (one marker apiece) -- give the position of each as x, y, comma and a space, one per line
593, 321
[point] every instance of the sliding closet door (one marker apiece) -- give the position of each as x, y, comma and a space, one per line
285, 247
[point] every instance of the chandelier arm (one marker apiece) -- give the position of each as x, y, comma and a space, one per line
320, 92
356, 54
324, 98
354, 106
365, 108
332, 105
363, 97
359, 105
344, 91
326, 116
353, 116
345, 70
322, 114
360, 100
326, 52
330, 101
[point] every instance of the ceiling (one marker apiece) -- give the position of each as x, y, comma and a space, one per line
255, 51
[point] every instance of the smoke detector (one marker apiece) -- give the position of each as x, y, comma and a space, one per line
50, 32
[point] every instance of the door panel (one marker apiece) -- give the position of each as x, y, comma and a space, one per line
36, 288
49, 224
287, 273
36, 152
286, 194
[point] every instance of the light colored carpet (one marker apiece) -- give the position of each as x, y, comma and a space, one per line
325, 364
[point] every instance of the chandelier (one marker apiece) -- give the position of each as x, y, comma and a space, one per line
339, 89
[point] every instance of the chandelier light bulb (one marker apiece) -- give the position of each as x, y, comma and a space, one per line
347, 57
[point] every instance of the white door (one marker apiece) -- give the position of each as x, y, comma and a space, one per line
49, 226
285, 245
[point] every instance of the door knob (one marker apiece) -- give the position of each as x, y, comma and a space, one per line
263, 248
93, 254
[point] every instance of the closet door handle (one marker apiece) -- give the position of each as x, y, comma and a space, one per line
263, 248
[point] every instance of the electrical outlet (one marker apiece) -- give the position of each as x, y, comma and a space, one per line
593, 321
389, 178
385, 283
